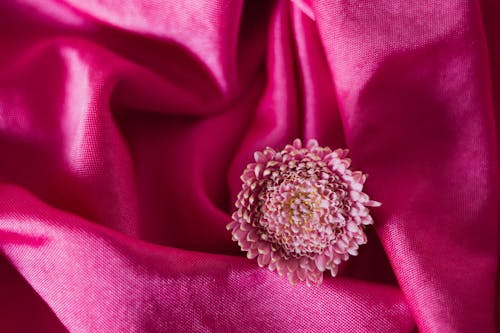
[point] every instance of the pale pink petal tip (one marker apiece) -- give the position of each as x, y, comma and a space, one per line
301, 211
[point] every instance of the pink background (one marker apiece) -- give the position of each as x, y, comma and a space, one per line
124, 127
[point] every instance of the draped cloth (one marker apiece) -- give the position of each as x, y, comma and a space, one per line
125, 125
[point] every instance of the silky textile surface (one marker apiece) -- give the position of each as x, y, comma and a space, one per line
125, 125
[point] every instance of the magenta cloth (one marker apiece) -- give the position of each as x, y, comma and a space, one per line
125, 125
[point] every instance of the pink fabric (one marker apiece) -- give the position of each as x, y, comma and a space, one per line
124, 128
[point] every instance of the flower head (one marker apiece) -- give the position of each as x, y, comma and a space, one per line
301, 211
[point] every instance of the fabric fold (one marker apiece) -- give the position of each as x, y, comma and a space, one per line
439, 222
125, 128
139, 287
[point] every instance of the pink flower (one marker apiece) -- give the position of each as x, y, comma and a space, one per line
301, 211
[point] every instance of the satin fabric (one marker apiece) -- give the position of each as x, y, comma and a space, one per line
124, 128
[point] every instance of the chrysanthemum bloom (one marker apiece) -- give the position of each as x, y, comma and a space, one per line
301, 211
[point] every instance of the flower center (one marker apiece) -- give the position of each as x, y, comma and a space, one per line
302, 210
300, 207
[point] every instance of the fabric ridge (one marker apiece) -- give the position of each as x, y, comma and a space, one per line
125, 128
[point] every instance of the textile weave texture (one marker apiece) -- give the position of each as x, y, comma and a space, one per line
125, 126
